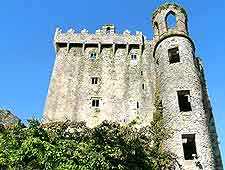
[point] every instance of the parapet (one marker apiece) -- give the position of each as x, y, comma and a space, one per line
106, 35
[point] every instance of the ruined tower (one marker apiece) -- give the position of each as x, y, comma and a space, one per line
182, 89
113, 76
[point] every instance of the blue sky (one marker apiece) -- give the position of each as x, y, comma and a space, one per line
27, 53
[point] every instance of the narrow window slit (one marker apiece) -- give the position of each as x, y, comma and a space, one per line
133, 57
108, 30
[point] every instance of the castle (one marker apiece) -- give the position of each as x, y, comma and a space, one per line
110, 76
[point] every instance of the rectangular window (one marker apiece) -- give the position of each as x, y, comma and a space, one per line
95, 103
184, 100
137, 105
133, 57
189, 146
94, 80
174, 55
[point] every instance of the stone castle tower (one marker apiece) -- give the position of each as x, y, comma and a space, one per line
110, 76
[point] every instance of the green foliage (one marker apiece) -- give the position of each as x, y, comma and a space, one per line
73, 146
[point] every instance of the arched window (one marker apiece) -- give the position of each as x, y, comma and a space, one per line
171, 20
108, 30
156, 28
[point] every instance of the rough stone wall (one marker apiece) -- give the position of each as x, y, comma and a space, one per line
7, 119
183, 76
120, 87
124, 83
210, 118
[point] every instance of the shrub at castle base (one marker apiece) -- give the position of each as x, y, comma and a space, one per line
71, 145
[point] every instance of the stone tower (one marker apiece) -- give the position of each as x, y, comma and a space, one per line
183, 90
113, 76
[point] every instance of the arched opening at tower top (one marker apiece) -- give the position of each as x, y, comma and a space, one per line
171, 20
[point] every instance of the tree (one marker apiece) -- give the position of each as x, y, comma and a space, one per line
72, 145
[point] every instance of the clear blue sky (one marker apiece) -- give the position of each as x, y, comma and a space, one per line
27, 53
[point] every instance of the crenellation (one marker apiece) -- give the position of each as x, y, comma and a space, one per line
111, 76
84, 31
84, 37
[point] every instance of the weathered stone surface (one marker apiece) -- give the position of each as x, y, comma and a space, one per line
7, 119
128, 67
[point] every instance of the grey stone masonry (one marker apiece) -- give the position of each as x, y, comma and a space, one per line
111, 76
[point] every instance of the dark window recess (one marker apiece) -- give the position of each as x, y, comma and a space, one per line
137, 104
174, 55
143, 86
141, 73
94, 80
184, 100
93, 55
108, 30
62, 45
133, 57
106, 46
75, 45
121, 46
95, 102
189, 146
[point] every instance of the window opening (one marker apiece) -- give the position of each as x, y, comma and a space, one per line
137, 105
108, 30
189, 146
94, 80
62, 45
184, 100
141, 73
143, 86
95, 102
174, 55
133, 57
93, 55
171, 20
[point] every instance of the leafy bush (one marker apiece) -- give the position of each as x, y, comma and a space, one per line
73, 146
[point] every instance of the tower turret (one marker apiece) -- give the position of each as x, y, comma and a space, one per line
160, 18
181, 89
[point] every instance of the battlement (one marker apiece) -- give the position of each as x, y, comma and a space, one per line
104, 36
